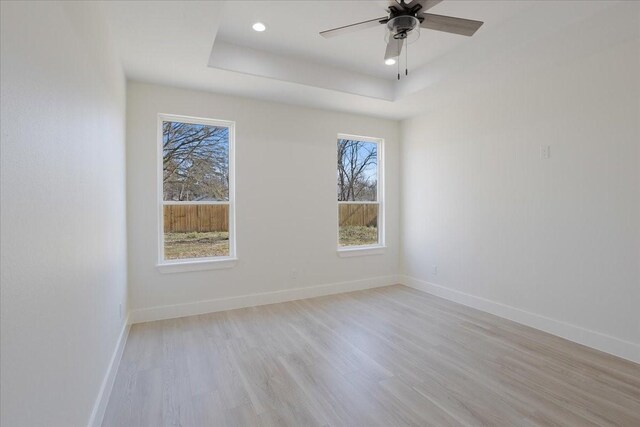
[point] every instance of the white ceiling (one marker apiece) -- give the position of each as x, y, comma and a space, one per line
210, 46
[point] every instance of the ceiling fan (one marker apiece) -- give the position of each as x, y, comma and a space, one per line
404, 23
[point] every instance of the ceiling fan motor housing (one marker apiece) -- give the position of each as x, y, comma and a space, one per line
402, 27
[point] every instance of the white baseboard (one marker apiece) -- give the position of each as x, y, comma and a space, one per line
220, 304
102, 400
599, 341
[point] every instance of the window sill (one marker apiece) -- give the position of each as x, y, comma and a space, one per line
361, 251
184, 266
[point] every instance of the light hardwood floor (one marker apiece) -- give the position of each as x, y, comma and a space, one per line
390, 356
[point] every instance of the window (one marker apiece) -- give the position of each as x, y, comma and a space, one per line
196, 190
360, 193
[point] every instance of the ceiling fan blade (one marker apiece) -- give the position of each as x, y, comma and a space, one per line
426, 4
351, 28
394, 47
449, 24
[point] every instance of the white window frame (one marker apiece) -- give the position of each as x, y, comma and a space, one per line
205, 263
378, 248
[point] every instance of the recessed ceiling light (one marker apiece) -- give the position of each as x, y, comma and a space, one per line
259, 27
390, 61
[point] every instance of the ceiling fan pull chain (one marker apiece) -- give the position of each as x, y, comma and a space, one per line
399, 61
406, 60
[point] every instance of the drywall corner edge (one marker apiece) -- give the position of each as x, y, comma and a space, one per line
100, 406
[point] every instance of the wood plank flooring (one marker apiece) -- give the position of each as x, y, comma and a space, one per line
390, 356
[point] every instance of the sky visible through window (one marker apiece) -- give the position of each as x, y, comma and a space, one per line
195, 162
357, 170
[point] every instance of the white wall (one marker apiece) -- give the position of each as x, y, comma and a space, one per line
552, 243
286, 201
63, 211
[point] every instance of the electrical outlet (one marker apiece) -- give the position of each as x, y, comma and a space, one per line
545, 152
120, 310
434, 270
294, 273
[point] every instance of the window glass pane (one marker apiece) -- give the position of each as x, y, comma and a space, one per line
358, 224
196, 231
195, 162
357, 170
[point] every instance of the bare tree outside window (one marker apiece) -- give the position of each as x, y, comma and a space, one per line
195, 190
358, 204
195, 162
357, 170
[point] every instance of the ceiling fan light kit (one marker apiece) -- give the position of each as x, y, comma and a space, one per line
403, 25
